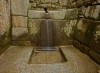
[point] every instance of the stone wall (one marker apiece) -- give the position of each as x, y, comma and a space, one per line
5, 25
28, 17
87, 30
61, 22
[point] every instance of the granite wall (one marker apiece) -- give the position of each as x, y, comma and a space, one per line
29, 18
87, 30
5, 25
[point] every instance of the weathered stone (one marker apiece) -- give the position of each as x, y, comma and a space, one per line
19, 7
79, 3
72, 14
76, 44
57, 14
34, 31
82, 11
21, 43
19, 34
84, 49
19, 21
98, 1
64, 2
59, 36
36, 14
47, 5
81, 30
93, 12
5, 25
68, 28
95, 56
95, 37
49, 1
33, 5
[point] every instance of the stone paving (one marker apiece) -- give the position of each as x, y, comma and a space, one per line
16, 58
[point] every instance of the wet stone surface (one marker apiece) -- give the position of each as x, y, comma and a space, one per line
15, 60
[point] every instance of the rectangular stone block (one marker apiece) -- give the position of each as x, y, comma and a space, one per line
95, 56
19, 21
95, 37
45, 5
44, 1
82, 31
20, 34
57, 14
76, 44
72, 14
84, 49
34, 27
36, 14
21, 43
64, 2
19, 7
93, 12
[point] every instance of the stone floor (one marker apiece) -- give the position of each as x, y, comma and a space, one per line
16, 58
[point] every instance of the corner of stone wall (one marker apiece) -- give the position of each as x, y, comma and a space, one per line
86, 32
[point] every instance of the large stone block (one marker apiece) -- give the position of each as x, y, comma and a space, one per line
21, 43
19, 7
59, 35
68, 28
82, 11
93, 12
36, 14
79, 3
44, 1
95, 37
76, 44
82, 30
19, 21
5, 26
84, 49
95, 56
40, 29
57, 14
20, 34
64, 2
72, 14
34, 27
45, 5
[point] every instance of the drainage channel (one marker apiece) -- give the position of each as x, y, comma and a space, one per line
47, 55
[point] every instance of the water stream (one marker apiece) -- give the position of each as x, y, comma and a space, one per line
48, 40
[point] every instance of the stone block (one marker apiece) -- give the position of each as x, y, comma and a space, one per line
79, 3
82, 31
19, 21
84, 49
76, 44
82, 11
21, 43
36, 14
34, 27
93, 12
64, 2
45, 5
59, 36
57, 14
19, 7
95, 37
98, 1
49, 1
72, 14
20, 34
95, 56
68, 28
